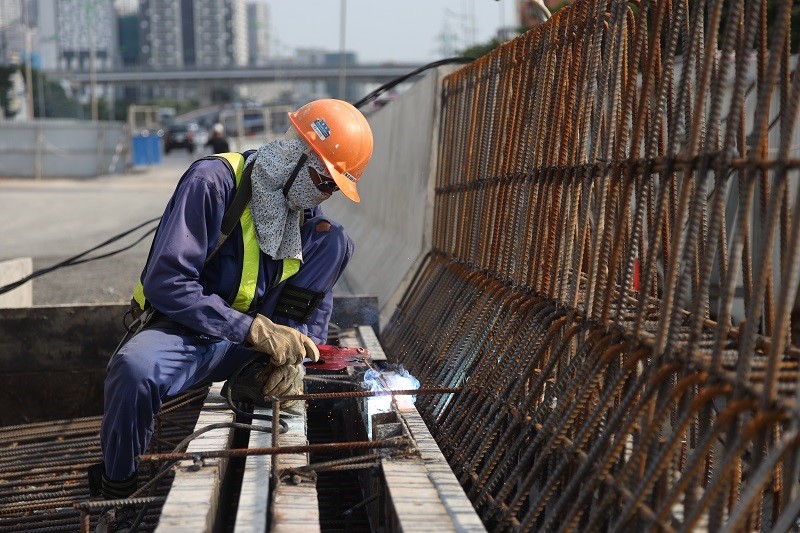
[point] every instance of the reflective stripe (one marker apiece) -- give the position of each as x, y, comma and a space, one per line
290, 268
138, 294
252, 253
252, 256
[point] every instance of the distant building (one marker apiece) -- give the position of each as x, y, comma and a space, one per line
126, 7
193, 33
259, 32
10, 13
73, 33
129, 45
12, 33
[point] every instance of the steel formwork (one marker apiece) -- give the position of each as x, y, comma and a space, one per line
613, 272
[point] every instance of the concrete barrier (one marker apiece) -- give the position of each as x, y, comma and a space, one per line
46, 148
392, 225
11, 271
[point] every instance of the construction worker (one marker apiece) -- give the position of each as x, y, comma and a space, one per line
217, 141
207, 305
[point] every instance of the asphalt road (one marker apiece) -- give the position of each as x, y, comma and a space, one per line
51, 220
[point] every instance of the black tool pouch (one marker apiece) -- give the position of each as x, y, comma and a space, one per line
298, 303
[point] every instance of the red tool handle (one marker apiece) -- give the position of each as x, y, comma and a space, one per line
338, 357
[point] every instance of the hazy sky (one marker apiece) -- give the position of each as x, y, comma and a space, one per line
381, 30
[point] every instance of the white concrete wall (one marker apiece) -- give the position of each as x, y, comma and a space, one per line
60, 148
392, 225
11, 271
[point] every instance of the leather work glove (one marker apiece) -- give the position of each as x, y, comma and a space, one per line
284, 380
284, 345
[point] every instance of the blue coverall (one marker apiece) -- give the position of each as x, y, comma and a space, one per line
204, 340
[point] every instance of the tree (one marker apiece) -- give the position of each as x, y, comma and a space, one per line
5, 90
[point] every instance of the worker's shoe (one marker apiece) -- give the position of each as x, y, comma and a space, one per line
100, 485
116, 519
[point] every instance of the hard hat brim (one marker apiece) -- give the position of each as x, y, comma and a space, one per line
347, 187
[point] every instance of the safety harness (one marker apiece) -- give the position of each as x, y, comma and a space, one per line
238, 213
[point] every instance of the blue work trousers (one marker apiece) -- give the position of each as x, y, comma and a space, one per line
167, 358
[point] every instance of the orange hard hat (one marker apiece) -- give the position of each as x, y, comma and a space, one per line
340, 135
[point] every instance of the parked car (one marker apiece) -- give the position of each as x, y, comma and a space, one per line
183, 135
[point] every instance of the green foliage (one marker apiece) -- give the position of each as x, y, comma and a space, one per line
57, 104
772, 9
5, 88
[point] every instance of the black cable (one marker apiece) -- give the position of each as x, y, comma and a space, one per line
74, 260
397, 81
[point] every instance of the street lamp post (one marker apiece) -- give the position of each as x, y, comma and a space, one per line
28, 58
342, 64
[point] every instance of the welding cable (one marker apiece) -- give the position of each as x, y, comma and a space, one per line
181, 447
77, 259
151, 485
397, 81
284, 427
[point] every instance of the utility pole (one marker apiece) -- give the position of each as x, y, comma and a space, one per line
92, 58
342, 64
28, 57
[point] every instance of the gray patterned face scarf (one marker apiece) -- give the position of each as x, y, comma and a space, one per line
277, 217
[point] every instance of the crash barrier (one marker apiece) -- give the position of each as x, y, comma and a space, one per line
391, 227
596, 178
60, 148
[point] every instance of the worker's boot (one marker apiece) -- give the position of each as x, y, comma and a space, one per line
116, 519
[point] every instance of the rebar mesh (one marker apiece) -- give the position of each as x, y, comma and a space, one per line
614, 270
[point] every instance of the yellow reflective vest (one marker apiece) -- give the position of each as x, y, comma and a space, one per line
252, 253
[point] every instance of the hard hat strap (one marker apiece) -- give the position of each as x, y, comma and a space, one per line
295, 172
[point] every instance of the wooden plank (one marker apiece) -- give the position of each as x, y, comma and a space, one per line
425, 493
193, 500
251, 514
295, 507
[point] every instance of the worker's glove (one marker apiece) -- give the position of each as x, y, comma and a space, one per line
282, 380
260, 380
284, 345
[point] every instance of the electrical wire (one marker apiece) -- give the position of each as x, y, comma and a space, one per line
77, 259
397, 81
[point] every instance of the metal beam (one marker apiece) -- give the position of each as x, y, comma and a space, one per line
272, 73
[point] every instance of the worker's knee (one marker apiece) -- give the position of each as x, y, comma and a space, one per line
130, 374
328, 237
334, 236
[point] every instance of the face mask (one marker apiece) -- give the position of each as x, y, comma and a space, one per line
303, 194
